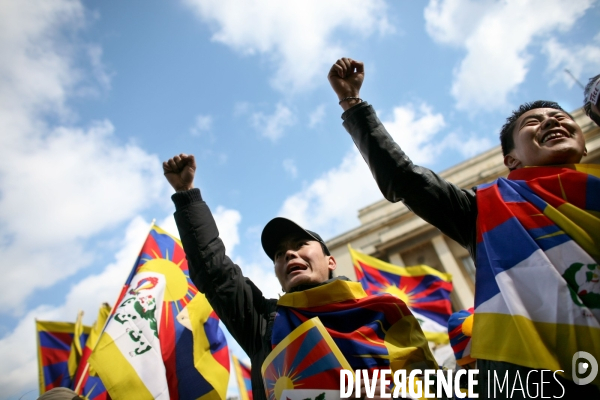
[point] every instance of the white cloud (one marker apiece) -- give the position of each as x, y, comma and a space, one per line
466, 146
497, 53
329, 204
582, 61
451, 21
262, 275
417, 130
289, 166
272, 126
316, 116
69, 186
413, 128
18, 373
59, 185
295, 36
203, 123
102, 76
241, 108
37, 70
168, 225
228, 221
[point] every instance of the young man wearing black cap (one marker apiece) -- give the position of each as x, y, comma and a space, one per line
373, 332
300, 256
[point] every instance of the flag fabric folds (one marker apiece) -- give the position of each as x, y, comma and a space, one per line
87, 382
306, 360
460, 330
425, 290
537, 296
163, 339
243, 377
373, 332
54, 344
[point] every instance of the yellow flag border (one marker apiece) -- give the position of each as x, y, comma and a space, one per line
301, 329
240, 378
417, 270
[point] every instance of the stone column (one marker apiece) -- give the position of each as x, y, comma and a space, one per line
461, 288
396, 259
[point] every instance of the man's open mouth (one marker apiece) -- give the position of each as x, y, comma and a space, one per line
554, 135
296, 267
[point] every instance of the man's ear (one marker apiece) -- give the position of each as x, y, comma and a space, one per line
511, 162
584, 151
331, 263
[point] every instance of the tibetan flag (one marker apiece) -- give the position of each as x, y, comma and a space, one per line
54, 342
537, 290
372, 332
426, 291
162, 340
244, 380
87, 382
460, 330
305, 364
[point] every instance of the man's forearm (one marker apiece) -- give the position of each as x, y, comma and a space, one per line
442, 204
237, 302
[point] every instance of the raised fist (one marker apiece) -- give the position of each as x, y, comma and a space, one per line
346, 77
180, 171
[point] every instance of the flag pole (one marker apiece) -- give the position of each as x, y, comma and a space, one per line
112, 310
41, 388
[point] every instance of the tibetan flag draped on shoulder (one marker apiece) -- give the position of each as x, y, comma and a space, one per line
305, 364
372, 332
537, 295
162, 340
426, 291
243, 377
54, 345
87, 382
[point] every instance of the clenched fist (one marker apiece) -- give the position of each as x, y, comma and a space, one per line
180, 171
346, 77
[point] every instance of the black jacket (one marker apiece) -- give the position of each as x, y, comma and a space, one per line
246, 313
447, 207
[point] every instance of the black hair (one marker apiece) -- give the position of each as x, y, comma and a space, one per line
506, 133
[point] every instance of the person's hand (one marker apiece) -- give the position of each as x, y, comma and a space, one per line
180, 171
346, 77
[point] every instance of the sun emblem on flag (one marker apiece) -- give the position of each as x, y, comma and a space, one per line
163, 254
399, 293
307, 358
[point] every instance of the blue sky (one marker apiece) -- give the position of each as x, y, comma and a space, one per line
95, 95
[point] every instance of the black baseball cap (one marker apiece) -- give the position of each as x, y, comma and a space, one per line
279, 229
